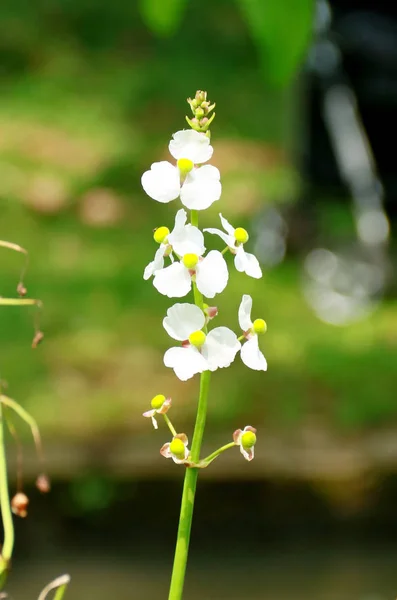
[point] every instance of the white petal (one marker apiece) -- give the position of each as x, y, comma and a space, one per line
226, 225
186, 362
220, 348
180, 221
228, 239
252, 356
244, 313
162, 182
192, 145
182, 320
157, 263
173, 281
201, 188
212, 274
188, 240
247, 263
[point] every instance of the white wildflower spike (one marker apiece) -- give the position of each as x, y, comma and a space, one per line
235, 240
198, 187
246, 439
210, 272
177, 449
251, 355
199, 352
183, 239
160, 405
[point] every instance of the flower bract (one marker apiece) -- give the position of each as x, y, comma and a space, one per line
199, 352
235, 239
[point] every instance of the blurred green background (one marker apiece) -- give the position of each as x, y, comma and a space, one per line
90, 94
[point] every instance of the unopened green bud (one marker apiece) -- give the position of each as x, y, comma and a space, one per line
248, 440
177, 448
197, 338
160, 234
158, 401
259, 326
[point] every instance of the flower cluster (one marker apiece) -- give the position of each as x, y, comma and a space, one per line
182, 263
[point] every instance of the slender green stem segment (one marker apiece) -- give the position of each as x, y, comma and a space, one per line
206, 461
6, 514
59, 584
170, 425
18, 302
191, 475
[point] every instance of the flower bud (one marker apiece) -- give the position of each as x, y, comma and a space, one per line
21, 289
248, 440
190, 260
197, 338
177, 448
259, 326
241, 235
43, 483
158, 401
161, 234
19, 504
38, 338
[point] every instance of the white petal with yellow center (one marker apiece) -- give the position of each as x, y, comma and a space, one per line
202, 187
192, 145
182, 320
173, 281
251, 355
247, 263
162, 182
244, 313
212, 274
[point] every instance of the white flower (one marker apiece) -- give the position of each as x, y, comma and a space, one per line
246, 439
235, 239
199, 352
211, 275
177, 449
183, 239
160, 405
250, 352
198, 187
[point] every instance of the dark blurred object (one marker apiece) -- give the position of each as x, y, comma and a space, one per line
365, 36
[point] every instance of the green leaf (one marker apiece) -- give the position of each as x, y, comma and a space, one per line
281, 30
162, 16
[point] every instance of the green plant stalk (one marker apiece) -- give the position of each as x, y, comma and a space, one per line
191, 475
188, 495
6, 514
206, 461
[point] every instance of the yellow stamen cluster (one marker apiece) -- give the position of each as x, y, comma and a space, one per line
241, 235
190, 260
197, 338
160, 234
177, 448
259, 326
158, 401
248, 440
185, 165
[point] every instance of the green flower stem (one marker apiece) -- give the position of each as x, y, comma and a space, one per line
29, 420
6, 514
18, 302
170, 425
191, 475
188, 494
206, 461
225, 250
59, 584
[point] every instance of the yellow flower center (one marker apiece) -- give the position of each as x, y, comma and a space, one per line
259, 326
158, 401
190, 260
248, 440
160, 234
197, 338
177, 448
185, 165
241, 235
